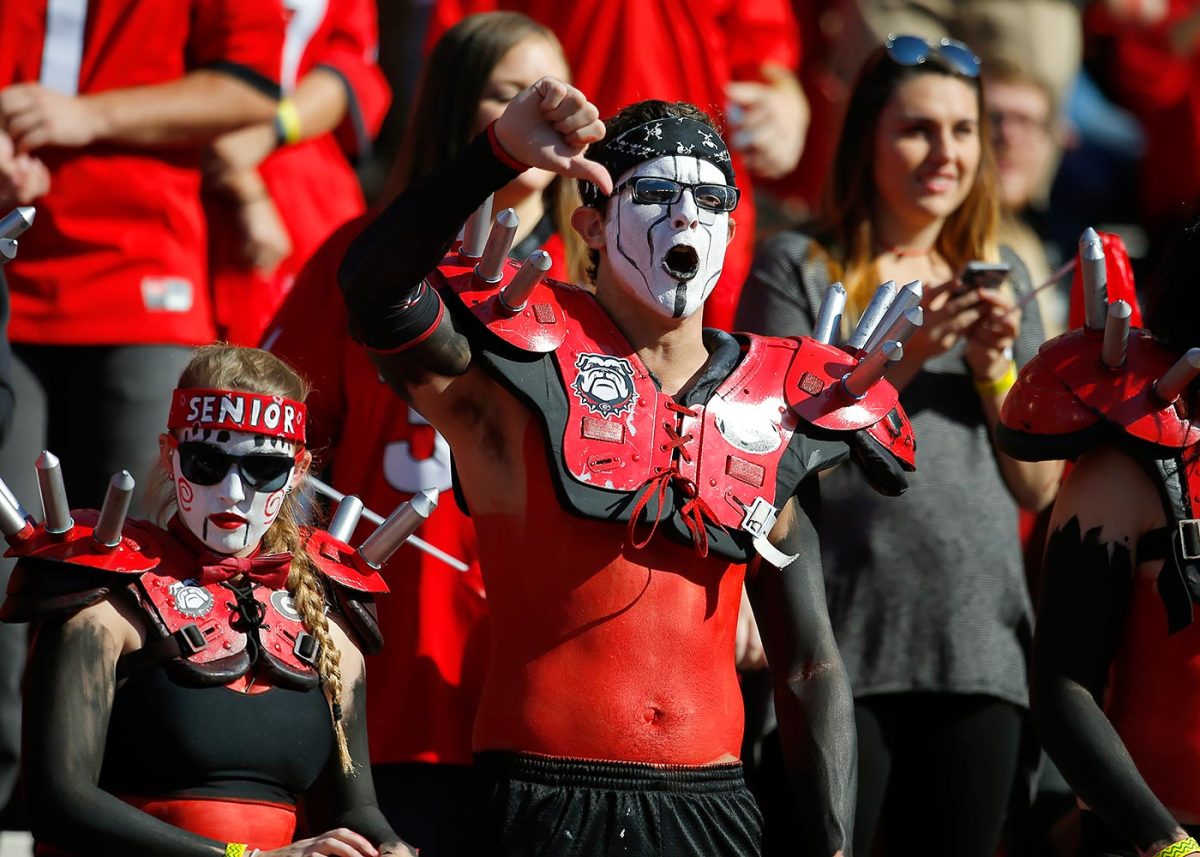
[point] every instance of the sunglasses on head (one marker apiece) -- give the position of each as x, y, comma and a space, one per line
205, 464
650, 190
913, 50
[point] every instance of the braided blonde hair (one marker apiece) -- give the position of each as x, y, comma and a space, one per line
251, 370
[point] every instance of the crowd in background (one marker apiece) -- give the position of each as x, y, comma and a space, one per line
185, 160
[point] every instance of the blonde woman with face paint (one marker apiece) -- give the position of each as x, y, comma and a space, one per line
929, 601
191, 684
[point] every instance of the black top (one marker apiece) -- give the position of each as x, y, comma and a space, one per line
167, 740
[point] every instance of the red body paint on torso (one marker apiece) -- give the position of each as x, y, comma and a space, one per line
1154, 699
600, 650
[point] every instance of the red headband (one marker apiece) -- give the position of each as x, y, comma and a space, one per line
235, 410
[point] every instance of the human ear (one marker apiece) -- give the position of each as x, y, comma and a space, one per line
732, 228
589, 223
165, 448
300, 471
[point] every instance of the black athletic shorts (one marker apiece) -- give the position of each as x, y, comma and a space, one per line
529, 805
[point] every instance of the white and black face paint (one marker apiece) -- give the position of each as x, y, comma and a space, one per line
230, 517
669, 257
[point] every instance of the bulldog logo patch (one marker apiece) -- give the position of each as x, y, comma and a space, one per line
191, 600
604, 384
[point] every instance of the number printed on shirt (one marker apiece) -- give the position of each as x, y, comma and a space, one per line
422, 461
304, 18
62, 49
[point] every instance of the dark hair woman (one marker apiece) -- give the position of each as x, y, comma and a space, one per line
928, 601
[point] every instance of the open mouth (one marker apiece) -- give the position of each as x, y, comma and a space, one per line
681, 262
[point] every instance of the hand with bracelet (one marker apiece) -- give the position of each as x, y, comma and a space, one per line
988, 352
335, 843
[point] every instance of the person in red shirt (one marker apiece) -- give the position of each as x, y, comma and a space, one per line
104, 107
278, 189
733, 58
425, 685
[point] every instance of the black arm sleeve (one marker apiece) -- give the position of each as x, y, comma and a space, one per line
382, 273
341, 800
7, 401
1085, 596
72, 680
812, 692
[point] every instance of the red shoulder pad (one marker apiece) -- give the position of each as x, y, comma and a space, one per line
342, 564
1124, 398
137, 552
541, 327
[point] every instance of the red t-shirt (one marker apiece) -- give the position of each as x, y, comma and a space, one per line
118, 252
312, 183
622, 51
425, 685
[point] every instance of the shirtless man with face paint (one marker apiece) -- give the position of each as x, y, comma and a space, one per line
625, 469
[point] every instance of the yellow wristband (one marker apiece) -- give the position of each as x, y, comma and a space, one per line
1001, 385
1180, 848
235, 849
287, 123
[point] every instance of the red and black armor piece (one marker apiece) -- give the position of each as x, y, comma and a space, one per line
715, 472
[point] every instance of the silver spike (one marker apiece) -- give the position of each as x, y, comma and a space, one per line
12, 521
1095, 279
399, 525
872, 315
112, 514
871, 368
8, 495
515, 295
14, 224
475, 231
829, 319
907, 297
905, 326
56, 512
499, 242
8, 250
345, 519
1176, 379
1116, 335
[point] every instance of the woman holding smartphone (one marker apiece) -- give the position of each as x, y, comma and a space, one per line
930, 606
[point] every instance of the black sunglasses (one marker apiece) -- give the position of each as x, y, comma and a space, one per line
650, 190
913, 50
205, 464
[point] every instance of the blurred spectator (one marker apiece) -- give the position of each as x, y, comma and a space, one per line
103, 107
1023, 119
1146, 56
425, 685
735, 59
929, 601
278, 189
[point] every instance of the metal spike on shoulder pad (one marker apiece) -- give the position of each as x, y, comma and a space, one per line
345, 519
871, 369
56, 512
908, 297
14, 224
1095, 279
872, 315
1116, 335
1176, 379
499, 242
903, 328
114, 510
401, 524
829, 318
8, 250
515, 295
14, 524
475, 231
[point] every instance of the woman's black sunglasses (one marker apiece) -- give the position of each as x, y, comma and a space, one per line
205, 464
913, 50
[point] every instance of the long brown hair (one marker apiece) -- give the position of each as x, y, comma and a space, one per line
443, 116
846, 228
229, 367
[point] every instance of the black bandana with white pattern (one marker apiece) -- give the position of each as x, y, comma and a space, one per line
672, 135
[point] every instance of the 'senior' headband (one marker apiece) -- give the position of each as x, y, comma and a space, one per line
235, 410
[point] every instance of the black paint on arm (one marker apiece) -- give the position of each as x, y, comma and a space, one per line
812, 692
68, 701
341, 800
382, 275
1086, 590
